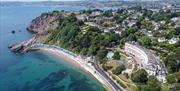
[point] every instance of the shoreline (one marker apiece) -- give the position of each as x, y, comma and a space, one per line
80, 63
61, 55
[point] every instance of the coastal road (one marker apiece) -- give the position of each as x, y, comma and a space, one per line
98, 68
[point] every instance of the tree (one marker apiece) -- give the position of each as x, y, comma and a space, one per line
171, 61
92, 50
108, 13
146, 41
147, 25
178, 76
84, 51
93, 29
101, 53
85, 42
120, 11
132, 29
139, 76
171, 78
153, 84
177, 30
119, 69
122, 42
131, 37
124, 34
138, 24
177, 43
106, 67
175, 87
116, 56
147, 13
72, 18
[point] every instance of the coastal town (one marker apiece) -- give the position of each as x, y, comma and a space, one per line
127, 49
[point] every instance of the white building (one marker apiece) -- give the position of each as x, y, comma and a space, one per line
146, 60
176, 20
95, 13
107, 30
82, 17
148, 33
91, 24
162, 31
162, 39
173, 40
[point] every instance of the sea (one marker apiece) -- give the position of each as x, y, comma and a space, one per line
36, 71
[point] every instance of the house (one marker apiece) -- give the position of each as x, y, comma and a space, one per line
173, 40
130, 22
91, 24
149, 33
176, 20
118, 32
156, 25
107, 30
110, 29
95, 13
162, 31
82, 17
162, 39
162, 22
102, 20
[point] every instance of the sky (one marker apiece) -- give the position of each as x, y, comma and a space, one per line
39, 0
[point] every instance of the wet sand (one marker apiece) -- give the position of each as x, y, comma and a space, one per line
77, 62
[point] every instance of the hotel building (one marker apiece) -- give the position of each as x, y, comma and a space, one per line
146, 60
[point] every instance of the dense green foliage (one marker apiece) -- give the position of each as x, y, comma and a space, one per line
171, 61
146, 41
119, 69
90, 43
106, 68
108, 13
88, 40
171, 78
139, 76
101, 53
116, 56
175, 82
152, 84
163, 15
147, 25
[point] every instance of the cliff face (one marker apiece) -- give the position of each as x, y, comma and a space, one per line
45, 22
39, 27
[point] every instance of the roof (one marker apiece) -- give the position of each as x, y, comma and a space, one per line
151, 57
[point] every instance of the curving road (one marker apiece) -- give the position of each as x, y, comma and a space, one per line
98, 68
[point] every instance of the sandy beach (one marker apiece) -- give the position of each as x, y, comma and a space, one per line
64, 56
79, 63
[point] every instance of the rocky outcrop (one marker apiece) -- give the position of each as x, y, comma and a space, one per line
42, 24
39, 27
23, 46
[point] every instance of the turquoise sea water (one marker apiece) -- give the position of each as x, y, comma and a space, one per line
35, 71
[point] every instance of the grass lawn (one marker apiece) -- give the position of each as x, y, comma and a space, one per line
131, 87
112, 63
122, 77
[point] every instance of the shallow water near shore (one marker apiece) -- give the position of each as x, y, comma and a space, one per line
35, 71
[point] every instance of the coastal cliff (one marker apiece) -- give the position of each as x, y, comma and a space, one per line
43, 23
39, 27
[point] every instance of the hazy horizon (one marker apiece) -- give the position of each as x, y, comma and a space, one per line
36, 0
